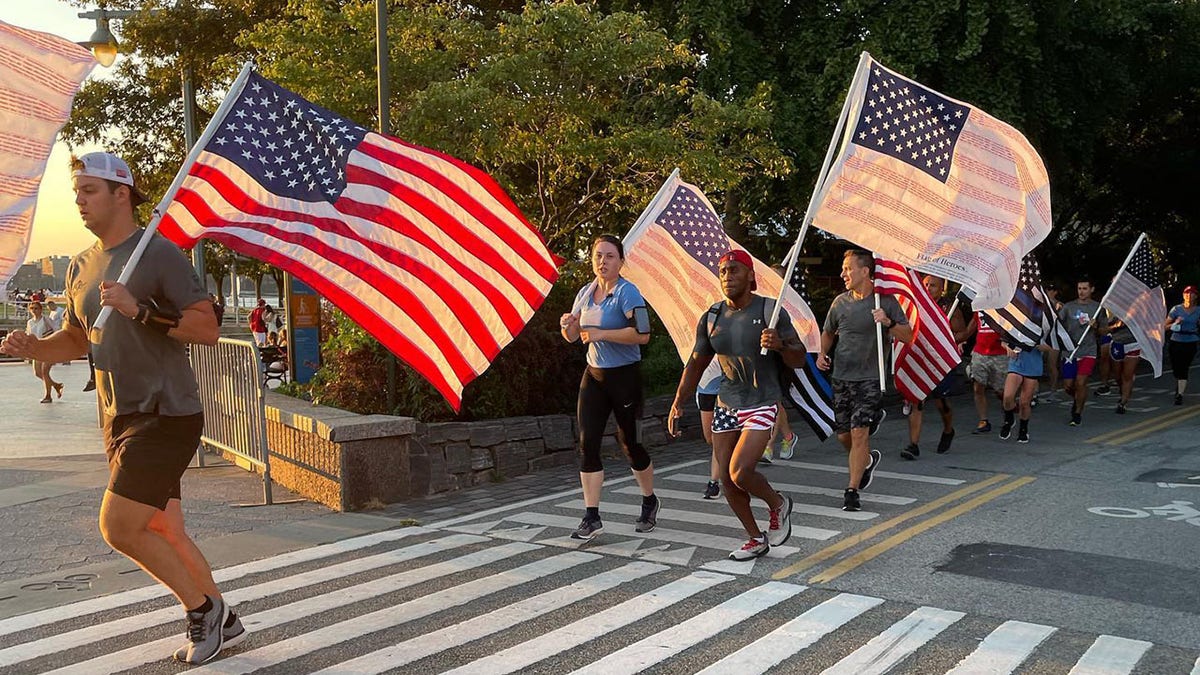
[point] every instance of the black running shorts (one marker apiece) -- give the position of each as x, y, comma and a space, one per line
148, 453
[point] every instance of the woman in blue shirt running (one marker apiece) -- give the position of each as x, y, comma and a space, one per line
1183, 325
610, 317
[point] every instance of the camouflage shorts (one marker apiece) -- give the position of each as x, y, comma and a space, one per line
855, 404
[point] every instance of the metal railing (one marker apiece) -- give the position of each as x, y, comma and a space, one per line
231, 391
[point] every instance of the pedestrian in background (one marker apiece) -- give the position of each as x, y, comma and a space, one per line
40, 325
1183, 325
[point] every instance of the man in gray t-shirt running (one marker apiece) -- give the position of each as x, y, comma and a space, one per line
149, 401
856, 394
735, 331
1081, 321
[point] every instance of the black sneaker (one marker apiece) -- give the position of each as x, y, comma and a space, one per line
1023, 436
984, 427
869, 472
1120, 408
1103, 390
649, 517
713, 490
944, 442
850, 501
90, 386
1006, 431
1178, 399
911, 451
1076, 419
875, 423
588, 529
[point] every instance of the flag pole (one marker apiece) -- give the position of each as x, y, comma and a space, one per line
1100, 307
810, 212
640, 224
213, 125
879, 347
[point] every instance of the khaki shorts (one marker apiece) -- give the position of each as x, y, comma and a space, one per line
990, 371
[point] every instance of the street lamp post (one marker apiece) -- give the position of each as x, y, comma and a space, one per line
104, 47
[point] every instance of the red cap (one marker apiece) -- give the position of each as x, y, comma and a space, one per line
740, 256
1190, 289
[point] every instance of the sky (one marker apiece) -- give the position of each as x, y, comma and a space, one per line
57, 229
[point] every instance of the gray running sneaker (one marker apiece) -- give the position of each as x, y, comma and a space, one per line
649, 518
233, 631
205, 636
588, 529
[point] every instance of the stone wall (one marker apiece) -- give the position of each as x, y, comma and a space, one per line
349, 461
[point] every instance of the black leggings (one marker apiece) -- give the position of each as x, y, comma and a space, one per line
616, 391
1181, 354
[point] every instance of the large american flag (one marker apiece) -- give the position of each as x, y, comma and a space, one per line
39, 76
425, 252
1027, 320
935, 184
921, 364
671, 255
1136, 296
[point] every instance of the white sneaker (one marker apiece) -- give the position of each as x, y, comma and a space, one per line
752, 549
788, 448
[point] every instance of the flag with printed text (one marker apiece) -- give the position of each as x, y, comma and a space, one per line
935, 184
39, 76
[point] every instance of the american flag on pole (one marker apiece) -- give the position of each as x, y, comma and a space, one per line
1136, 296
1027, 321
425, 252
39, 76
671, 255
921, 364
936, 184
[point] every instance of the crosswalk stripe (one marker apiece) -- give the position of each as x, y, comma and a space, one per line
914, 477
100, 631
589, 628
794, 636
488, 624
141, 654
796, 488
1003, 649
131, 597
802, 531
1110, 655
688, 538
895, 644
390, 617
665, 644
797, 507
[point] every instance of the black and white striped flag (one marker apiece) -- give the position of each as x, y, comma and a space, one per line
809, 390
1028, 320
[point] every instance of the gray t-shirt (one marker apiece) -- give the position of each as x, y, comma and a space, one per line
854, 358
1073, 316
138, 369
751, 379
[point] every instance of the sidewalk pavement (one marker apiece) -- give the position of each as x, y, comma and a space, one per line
53, 473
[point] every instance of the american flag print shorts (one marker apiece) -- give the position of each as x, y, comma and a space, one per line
760, 418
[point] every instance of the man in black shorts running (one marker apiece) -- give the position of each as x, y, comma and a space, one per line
149, 399
735, 331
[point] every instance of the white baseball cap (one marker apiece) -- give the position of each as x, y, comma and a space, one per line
109, 167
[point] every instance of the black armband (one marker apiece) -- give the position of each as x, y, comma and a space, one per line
151, 316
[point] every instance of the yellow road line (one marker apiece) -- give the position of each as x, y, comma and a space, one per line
853, 540
1131, 434
1108, 435
903, 536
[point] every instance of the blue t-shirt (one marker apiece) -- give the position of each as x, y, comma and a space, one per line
1189, 329
622, 308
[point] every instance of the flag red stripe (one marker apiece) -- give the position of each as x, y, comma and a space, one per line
25, 147
23, 105
455, 192
397, 292
36, 72
485, 181
49, 43
362, 314
921, 364
462, 234
682, 276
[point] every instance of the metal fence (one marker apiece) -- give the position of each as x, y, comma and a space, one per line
231, 391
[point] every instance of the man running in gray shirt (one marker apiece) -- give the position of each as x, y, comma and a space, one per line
856, 393
1079, 317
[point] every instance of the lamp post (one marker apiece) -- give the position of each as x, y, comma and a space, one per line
104, 47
